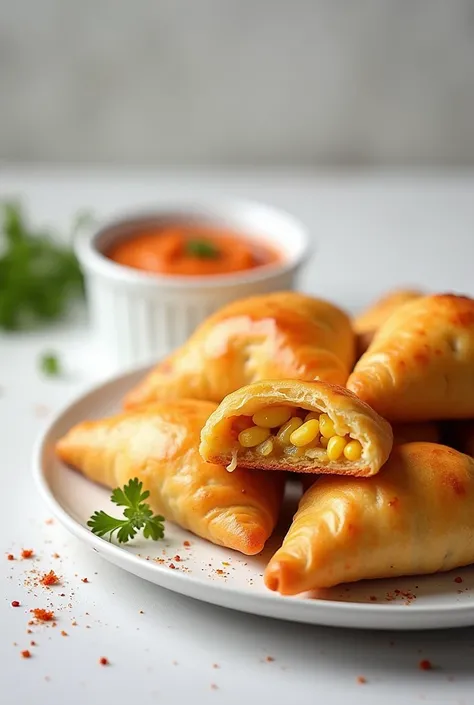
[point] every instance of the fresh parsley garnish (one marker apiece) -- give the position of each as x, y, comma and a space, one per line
38, 276
50, 365
138, 516
202, 249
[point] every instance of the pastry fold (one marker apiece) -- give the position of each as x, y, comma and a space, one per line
159, 445
367, 323
420, 365
414, 517
271, 336
342, 434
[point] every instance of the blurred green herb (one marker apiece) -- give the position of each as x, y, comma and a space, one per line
50, 365
38, 276
202, 248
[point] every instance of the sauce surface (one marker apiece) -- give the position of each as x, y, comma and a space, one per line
192, 250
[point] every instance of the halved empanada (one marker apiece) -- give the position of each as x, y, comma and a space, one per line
420, 365
265, 337
159, 445
312, 427
414, 517
367, 323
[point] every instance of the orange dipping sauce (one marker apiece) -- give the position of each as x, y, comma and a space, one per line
192, 250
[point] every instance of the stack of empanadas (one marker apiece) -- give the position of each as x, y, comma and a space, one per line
258, 391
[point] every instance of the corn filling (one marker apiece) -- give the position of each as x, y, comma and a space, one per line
277, 429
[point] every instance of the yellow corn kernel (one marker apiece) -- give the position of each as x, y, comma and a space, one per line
353, 450
272, 416
266, 447
324, 441
312, 415
252, 437
326, 426
305, 434
287, 429
336, 445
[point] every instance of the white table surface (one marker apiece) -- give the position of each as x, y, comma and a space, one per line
371, 233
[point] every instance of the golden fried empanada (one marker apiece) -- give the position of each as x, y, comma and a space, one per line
420, 365
265, 337
313, 427
427, 431
414, 517
159, 445
367, 323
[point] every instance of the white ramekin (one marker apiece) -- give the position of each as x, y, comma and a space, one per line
139, 317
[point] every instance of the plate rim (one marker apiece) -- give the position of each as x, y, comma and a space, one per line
270, 605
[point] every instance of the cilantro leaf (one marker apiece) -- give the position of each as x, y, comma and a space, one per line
138, 515
204, 249
102, 523
131, 495
50, 365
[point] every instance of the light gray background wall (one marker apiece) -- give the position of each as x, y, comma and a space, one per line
312, 82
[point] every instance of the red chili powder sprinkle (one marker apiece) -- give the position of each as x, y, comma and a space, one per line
27, 553
219, 571
177, 558
269, 659
10, 557
63, 633
49, 578
29, 631
425, 665
26, 653
32, 643
103, 661
214, 686
186, 543
74, 623
56, 555
49, 521
361, 680
85, 580
215, 665
458, 579
15, 603
43, 615
172, 566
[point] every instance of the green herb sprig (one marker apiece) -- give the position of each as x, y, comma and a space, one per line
38, 276
138, 516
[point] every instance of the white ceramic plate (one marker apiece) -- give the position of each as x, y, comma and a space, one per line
226, 578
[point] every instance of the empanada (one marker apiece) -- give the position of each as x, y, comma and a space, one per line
367, 323
159, 445
420, 365
312, 427
414, 517
265, 337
